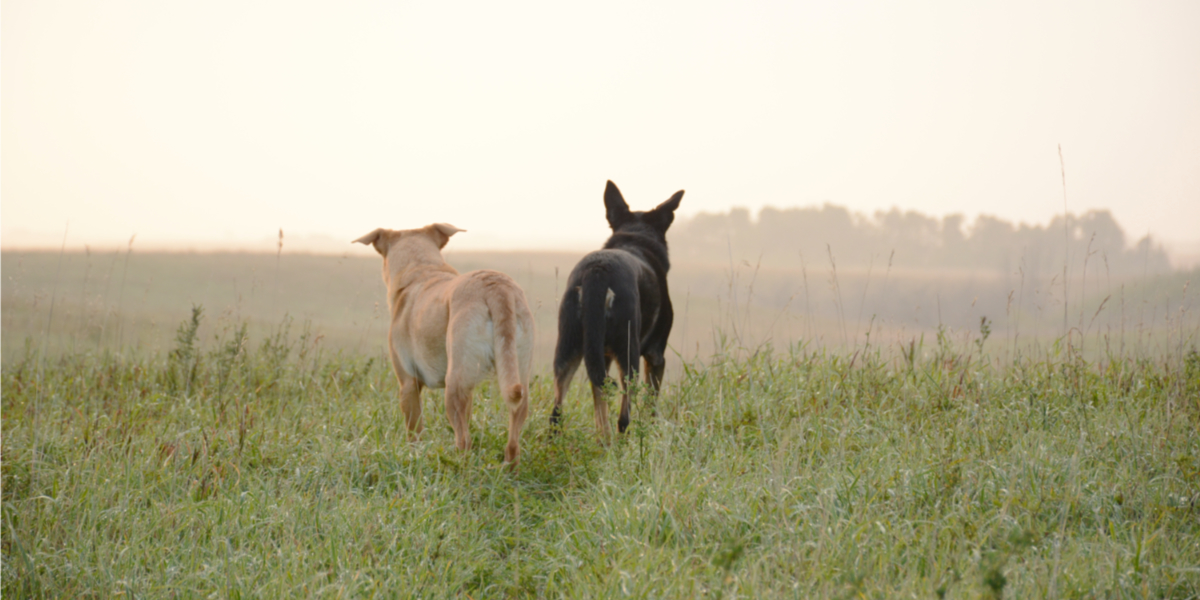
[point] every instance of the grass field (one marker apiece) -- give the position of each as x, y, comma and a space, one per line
814, 439
227, 468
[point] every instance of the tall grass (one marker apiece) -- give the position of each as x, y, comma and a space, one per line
255, 459
236, 469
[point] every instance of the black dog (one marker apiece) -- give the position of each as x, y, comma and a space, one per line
616, 307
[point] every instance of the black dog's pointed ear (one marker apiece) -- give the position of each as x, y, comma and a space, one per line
664, 214
376, 238
671, 203
616, 209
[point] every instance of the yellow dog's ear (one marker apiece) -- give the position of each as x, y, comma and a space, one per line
376, 238
441, 233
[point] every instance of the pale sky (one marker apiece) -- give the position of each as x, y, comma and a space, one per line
198, 124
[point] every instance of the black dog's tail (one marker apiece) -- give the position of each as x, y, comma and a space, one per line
595, 298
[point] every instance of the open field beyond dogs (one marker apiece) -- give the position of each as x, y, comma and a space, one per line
253, 446
231, 469
126, 301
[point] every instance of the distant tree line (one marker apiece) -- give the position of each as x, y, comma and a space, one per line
914, 240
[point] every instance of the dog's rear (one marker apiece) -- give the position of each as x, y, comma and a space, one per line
450, 329
616, 307
601, 317
599, 323
490, 329
512, 329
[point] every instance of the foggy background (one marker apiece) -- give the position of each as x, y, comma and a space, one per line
213, 125
740, 283
860, 172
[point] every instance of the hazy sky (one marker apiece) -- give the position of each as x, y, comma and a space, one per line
201, 123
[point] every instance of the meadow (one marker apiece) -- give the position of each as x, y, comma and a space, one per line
227, 450
126, 301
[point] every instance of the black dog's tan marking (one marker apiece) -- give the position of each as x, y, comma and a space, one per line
616, 307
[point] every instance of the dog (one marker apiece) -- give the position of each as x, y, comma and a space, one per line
453, 330
616, 307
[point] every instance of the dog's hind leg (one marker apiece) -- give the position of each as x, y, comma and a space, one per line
655, 348
629, 374
410, 404
568, 351
600, 404
654, 372
628, 355
564, 372
468, 361
655, 365
458, 411
517, 399
410, 394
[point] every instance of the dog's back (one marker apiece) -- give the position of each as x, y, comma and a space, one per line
599, 313
616, 306
453, 330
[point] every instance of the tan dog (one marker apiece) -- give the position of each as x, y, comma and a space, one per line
453, 330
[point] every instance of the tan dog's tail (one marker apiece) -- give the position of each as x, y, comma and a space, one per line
503, 308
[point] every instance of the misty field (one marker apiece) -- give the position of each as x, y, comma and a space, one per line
227, 426
125, 301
